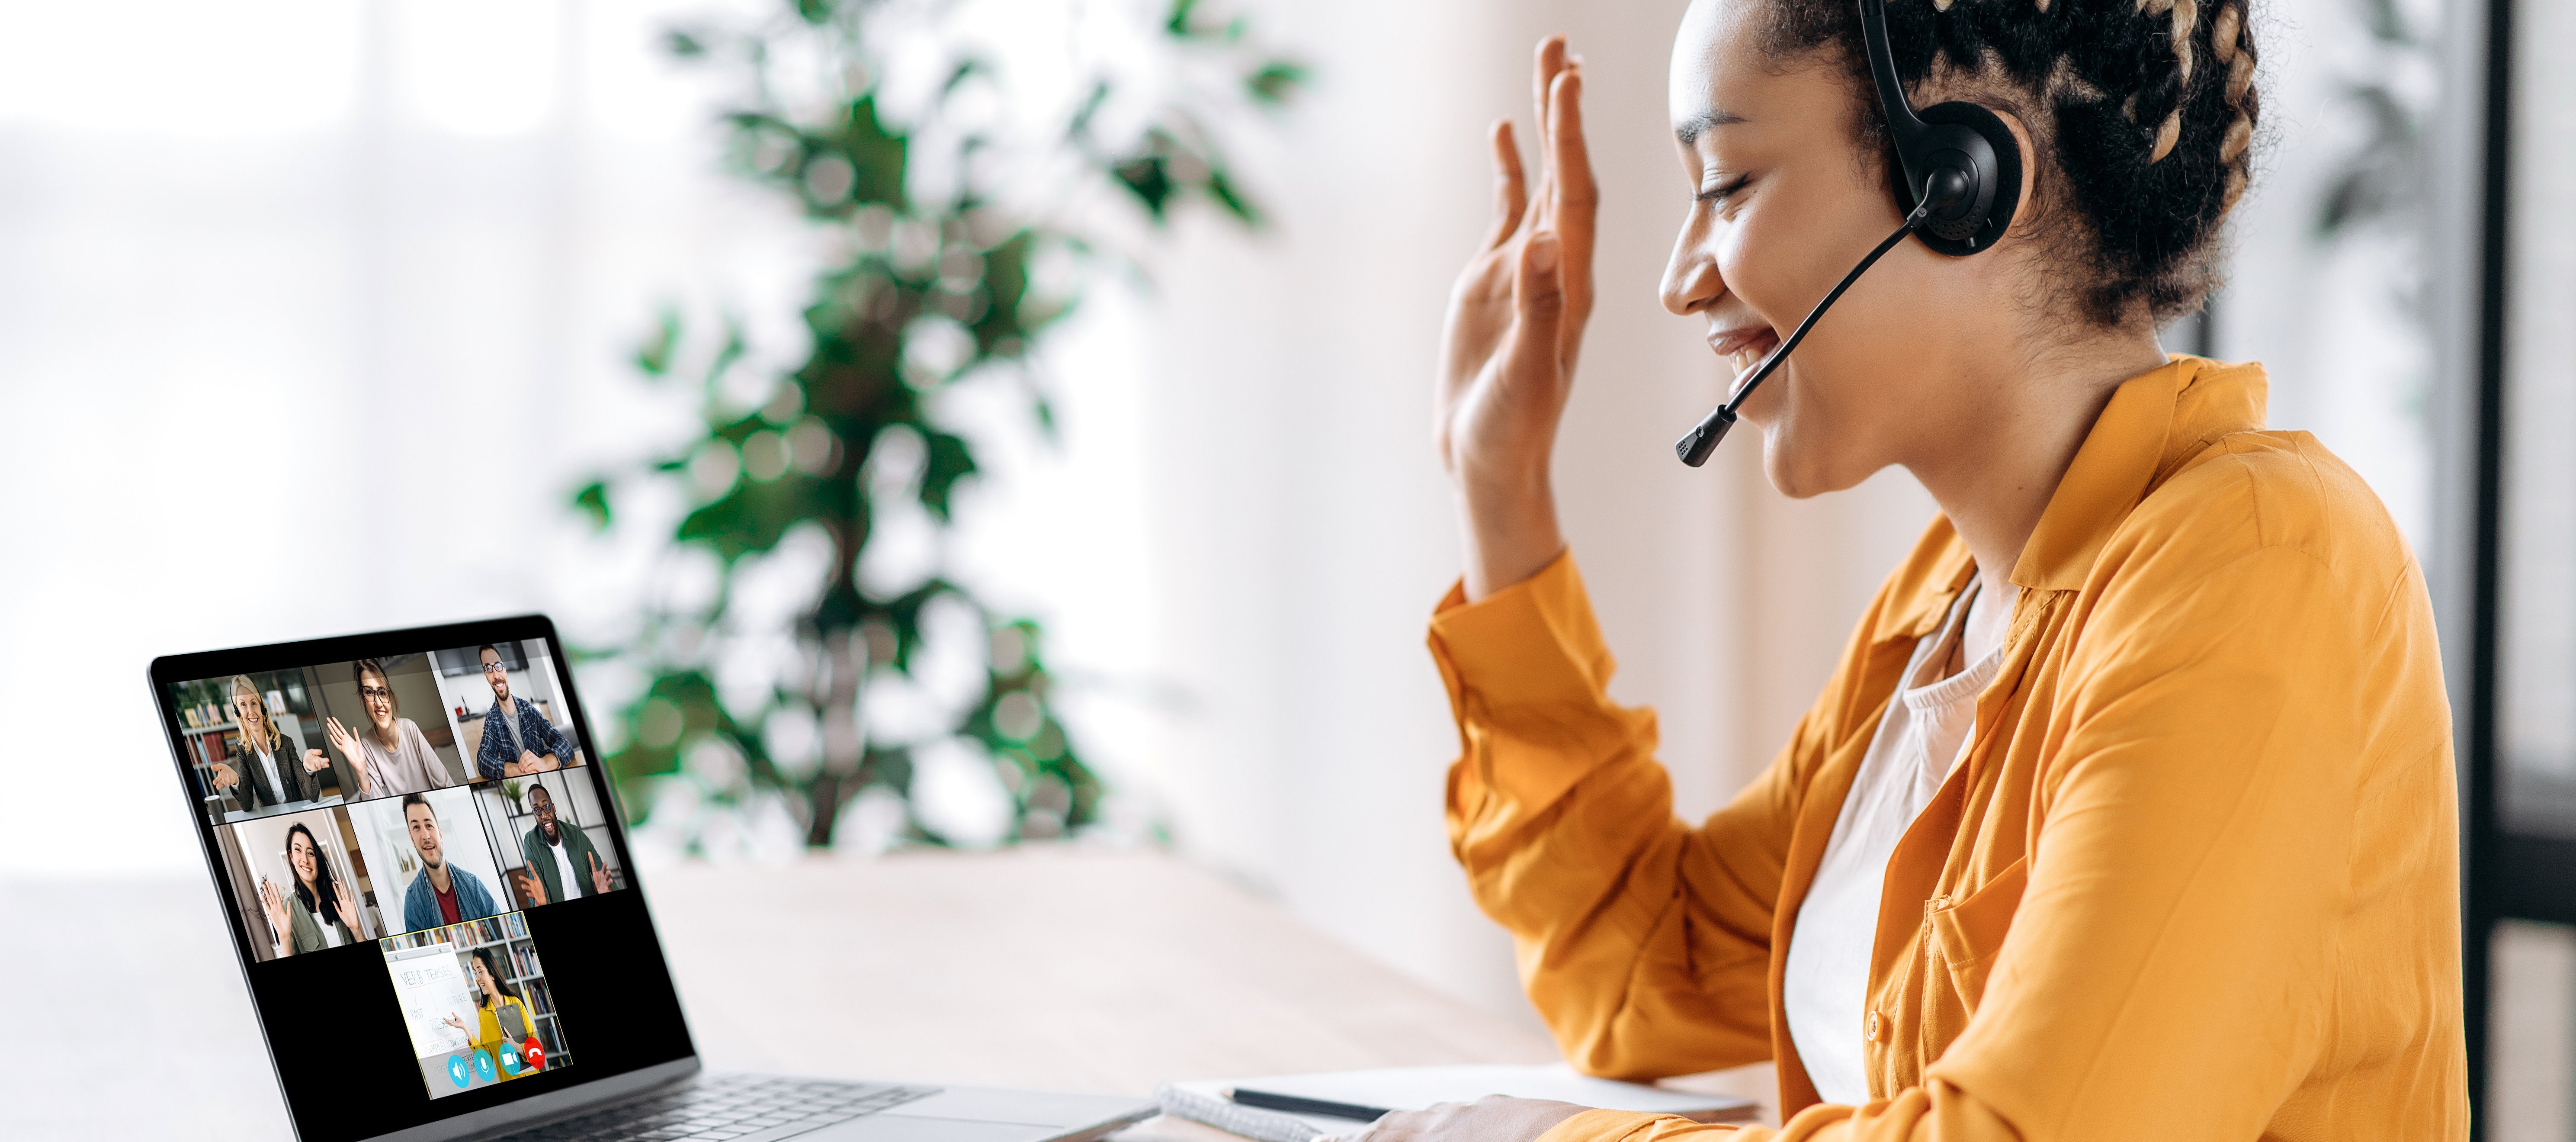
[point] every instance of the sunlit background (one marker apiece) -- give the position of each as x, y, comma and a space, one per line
313, 317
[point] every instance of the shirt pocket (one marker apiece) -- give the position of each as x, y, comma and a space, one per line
1969, 933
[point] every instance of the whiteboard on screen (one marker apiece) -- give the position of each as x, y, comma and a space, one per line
430, 988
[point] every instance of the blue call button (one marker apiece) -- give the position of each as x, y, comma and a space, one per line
483, 1066
456, 1072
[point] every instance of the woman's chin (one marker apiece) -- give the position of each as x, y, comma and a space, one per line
1801, 467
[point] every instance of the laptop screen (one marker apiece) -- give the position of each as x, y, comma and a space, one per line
421, 859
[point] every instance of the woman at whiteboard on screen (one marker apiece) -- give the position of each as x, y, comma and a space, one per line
501, 1020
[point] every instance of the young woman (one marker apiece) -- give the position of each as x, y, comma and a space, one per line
502, 1017
392, 758
2128, 812
321, 912
260, 771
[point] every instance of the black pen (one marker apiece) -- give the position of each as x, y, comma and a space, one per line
1295, 1105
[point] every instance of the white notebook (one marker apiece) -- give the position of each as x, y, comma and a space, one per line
1415, 1088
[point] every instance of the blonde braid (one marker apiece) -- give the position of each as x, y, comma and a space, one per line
2186, 15
2235, 52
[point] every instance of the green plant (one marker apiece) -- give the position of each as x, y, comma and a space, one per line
920, 293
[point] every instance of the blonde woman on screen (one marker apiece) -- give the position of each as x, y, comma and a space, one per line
389, 753
273, 776
2129, 810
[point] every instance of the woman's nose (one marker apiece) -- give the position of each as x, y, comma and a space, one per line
1691, 280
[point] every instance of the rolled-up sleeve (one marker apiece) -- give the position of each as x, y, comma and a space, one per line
1643, 942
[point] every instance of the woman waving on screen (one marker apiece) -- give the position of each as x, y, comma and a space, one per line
391, 755
2129, 811
320, 912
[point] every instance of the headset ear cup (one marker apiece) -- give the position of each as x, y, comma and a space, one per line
1998, 164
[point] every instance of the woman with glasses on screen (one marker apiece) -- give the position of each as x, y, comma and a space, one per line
501, 1019
2128, 812
260, 771
321, 912
391, 756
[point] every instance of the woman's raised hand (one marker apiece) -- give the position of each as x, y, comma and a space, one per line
346, 905
1514, 326
272, 900
346, 744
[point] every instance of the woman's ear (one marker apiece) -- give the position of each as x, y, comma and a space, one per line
2022, 217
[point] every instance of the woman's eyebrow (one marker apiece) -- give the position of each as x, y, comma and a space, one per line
1688, 130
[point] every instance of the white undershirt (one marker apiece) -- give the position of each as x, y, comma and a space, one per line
276, 782
1826, 986
563, 864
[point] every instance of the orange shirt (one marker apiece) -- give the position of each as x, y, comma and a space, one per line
2196, 878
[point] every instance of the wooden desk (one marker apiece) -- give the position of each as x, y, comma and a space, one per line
1050, 968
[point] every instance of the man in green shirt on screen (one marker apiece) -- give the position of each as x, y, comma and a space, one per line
558, 855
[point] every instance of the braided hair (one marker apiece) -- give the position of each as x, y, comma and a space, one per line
2142, 113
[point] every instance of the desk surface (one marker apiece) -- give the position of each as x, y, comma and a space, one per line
1059, 969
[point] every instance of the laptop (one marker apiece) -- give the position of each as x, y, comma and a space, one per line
428, 883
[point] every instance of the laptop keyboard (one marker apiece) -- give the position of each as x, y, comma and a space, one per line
730, 1108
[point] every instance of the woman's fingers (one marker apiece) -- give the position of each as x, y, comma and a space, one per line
1511, 195
1574, 203
1549, 61
1569, 160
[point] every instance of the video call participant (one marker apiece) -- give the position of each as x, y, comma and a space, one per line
272, 780
392, 757
501, 1017
442, 894
300, 920
514, 731
558, 854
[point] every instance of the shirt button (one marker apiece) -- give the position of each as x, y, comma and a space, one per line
1877, 1028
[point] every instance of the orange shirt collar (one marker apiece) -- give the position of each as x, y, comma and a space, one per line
2154, 422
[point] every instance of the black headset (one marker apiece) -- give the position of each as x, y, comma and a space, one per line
1957, 177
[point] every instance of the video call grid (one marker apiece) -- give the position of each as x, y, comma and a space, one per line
538, 830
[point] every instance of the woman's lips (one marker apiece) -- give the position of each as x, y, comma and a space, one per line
1743, 345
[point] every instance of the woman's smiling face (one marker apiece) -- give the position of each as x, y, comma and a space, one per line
1783, 203
299, 852
377, 692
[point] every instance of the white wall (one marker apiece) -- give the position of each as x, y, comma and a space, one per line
312, 316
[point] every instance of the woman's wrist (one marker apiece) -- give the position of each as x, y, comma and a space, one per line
1507, 534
